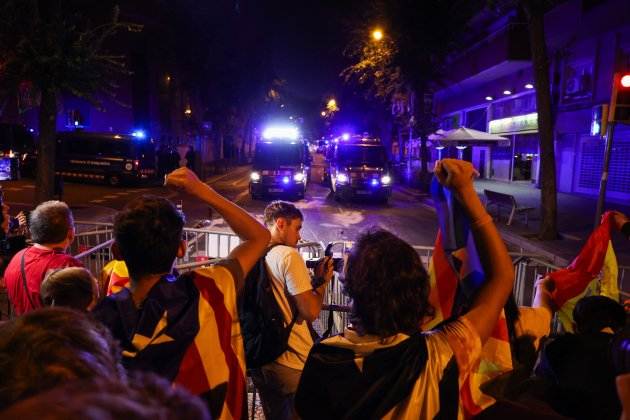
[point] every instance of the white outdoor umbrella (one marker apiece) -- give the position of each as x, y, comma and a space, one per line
438, 135
464, 134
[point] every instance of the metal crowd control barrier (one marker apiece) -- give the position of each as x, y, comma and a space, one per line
93, 241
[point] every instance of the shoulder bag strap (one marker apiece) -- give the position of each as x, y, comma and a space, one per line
28, 294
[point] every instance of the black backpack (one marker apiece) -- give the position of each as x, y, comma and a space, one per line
265, 334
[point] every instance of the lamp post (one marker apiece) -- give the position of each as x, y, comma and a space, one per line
377, 34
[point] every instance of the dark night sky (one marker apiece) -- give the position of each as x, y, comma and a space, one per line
308, 43
308, 40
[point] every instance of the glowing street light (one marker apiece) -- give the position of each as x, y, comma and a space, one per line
323, 113
377, 34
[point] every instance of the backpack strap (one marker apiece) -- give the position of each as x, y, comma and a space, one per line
23, 272
293, 310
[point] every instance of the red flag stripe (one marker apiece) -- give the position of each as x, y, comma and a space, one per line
471, 409
236, 382
189, 375
571, 281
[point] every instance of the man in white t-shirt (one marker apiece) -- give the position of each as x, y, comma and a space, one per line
277, 381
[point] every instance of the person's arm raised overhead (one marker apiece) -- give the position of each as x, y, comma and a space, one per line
254, 236
457, 176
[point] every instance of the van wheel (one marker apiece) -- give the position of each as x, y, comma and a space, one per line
113, 180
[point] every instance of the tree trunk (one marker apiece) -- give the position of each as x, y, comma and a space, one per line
46, 148
548, 199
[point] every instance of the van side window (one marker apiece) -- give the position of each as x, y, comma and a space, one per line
79, 146
116, 148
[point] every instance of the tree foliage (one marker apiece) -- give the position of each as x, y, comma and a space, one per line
408, 64
53, 48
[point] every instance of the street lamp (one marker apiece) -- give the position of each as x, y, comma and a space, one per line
323, 113
377, 34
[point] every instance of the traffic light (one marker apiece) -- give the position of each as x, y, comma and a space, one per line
620, 98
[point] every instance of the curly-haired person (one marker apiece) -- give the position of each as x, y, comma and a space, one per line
384, 366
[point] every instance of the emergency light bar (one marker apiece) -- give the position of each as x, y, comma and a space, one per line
279, 132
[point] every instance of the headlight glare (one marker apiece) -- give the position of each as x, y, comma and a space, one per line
342, 178
254, 176
386, 180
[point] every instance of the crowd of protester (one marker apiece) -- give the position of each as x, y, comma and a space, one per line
169, 345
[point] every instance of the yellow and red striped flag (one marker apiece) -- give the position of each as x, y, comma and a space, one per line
592, 272
456, 274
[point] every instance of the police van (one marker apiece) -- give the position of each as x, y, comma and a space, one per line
358, 167
110, 158
281, 165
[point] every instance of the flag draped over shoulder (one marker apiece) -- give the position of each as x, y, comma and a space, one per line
187, 331
115, 276
456, 274
582, 276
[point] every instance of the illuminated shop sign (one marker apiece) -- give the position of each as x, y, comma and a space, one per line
527, 123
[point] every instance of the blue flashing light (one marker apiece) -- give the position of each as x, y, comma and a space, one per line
345, 136
76, 123
31, 130
375, 182
139, 134
285, 180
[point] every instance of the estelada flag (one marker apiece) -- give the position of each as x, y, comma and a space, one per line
456, 274
115, 276
593, 271
187, 331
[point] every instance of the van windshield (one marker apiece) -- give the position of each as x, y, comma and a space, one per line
277, 154
356, 155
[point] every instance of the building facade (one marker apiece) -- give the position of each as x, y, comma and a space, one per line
490, 88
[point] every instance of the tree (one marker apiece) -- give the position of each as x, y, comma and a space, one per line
534, 11
55, 49
405, 66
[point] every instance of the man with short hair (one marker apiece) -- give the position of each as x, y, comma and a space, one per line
277, 381
186, 328
52, 232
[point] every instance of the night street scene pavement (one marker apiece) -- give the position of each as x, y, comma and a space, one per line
363, 117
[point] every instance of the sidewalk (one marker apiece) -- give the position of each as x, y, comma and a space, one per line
576, 215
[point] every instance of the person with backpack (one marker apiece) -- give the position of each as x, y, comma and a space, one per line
300, 301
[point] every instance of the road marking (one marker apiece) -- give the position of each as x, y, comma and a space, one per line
572, 237
97, 201
111, 196
240, 195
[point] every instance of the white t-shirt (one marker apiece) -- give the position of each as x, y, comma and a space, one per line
290, 276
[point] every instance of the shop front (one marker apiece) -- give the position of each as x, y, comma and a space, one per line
518, 161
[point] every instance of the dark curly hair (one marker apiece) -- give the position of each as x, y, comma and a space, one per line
148, 232
49, 347
388, 285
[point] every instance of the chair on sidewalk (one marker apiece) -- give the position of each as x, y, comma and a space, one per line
508, 201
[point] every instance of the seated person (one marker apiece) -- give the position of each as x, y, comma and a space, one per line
577, 368
72, 287
384, 366
184, 328
49, 347
142, 397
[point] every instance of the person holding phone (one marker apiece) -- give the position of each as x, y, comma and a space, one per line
294, 291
